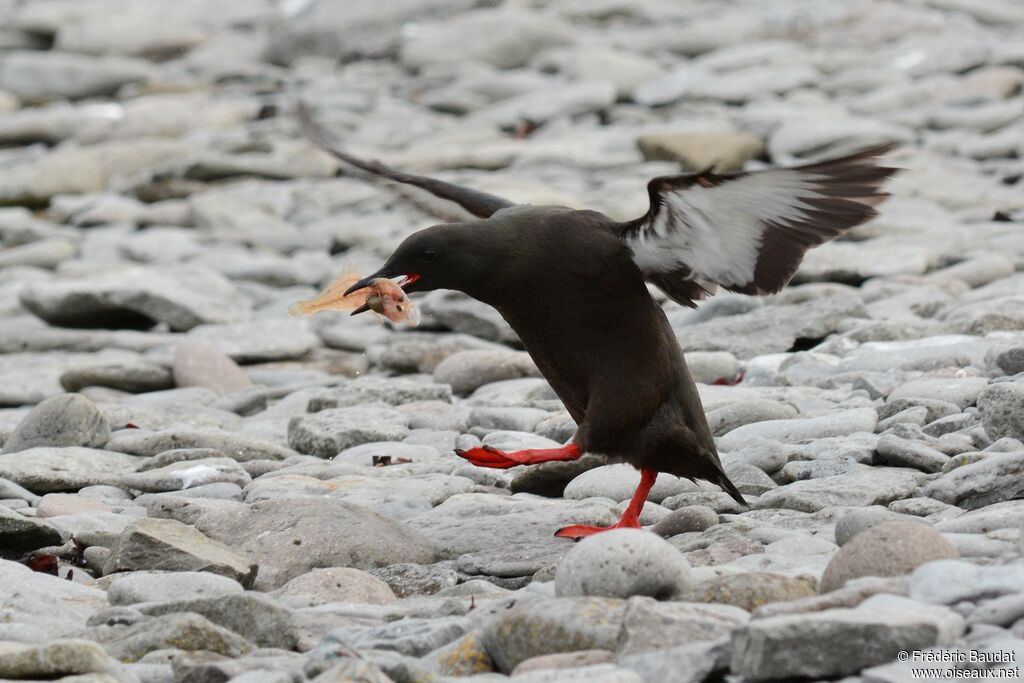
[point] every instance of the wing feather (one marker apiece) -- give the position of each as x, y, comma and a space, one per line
748, 232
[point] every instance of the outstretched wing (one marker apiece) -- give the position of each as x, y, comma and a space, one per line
479, 204
748, 232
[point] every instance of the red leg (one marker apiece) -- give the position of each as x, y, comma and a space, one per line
630, 517
487, 456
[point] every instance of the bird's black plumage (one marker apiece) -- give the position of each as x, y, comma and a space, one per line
572, 284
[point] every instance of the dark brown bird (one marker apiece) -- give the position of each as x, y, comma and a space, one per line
572, 284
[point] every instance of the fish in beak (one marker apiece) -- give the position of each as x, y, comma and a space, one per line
377, 293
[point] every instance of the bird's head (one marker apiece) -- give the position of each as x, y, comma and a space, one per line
457, 256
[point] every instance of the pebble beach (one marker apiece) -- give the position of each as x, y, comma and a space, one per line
197, 487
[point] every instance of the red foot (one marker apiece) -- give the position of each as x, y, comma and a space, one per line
578, 531
488, 456
630, 517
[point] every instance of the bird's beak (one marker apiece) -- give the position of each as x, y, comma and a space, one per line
404, 282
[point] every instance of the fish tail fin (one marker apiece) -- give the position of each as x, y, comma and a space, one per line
300, 309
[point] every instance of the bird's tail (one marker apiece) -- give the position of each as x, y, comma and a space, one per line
721, 479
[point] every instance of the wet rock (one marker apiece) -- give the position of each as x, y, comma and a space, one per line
67, 420
620, 564
892, 548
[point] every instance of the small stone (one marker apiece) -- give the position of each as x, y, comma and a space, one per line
181, 297
406, 578
252, 615
36, 76
289, 537
164, 586
720, 152
817, 644
136, 378
541, 627
961, 391
995, 478
564, 660
199, 364
170, 545
1011, 361
66, 420
47, 469
329, 432
335, 584
20, 534
750, 590
897, 452
853, 523
622, 563
411, 636
59, 504
181, 631
189, 474
238, 446
1002, 410
802, 429
892, 548
686, 519
466, 371
649, 625
53, 660
505, 38
727, 418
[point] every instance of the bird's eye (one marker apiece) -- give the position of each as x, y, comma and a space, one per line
428, 255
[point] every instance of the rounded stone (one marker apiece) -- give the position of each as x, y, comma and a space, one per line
853, 523
467, 371
620, 564
1002, 410
65, 420
892, 548
335, 584
200, 364
685, 519
157, 586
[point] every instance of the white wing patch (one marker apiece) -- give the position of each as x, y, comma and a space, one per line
718, 231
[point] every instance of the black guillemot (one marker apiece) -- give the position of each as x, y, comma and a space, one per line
573, 286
